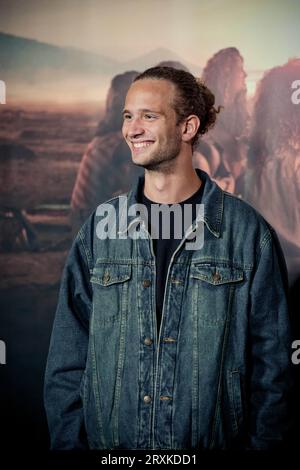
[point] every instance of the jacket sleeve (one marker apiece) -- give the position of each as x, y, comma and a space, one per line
270, 345
68, 352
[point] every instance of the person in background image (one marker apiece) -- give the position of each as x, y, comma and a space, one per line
224, 74
272, 183
104, 169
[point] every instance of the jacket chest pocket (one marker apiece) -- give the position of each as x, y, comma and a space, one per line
214, 285
110, 291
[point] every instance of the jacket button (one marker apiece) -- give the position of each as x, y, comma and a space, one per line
148, 341
146, 282
216, 276
147, 399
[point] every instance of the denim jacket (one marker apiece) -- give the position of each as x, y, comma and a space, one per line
217, 375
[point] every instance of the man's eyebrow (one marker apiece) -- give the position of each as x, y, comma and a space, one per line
144, 110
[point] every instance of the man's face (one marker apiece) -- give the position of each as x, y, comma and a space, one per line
149, 125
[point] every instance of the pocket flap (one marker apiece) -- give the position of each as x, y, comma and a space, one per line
107, 274
216, 274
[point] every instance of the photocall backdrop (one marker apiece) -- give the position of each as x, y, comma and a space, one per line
65, 68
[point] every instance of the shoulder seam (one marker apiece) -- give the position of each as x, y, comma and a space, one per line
265, 240
86, 250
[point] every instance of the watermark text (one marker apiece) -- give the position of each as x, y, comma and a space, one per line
2, 92
174, 221
296, 353
296, 94
2, 352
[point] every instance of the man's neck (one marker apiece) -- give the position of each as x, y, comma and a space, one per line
171, 188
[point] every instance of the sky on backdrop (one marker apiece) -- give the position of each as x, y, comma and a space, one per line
267, 32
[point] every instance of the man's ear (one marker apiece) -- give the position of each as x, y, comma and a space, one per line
190, 127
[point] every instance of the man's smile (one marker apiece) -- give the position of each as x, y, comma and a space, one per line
142, 144
137, 146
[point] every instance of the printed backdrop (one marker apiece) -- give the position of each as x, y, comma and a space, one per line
65, 67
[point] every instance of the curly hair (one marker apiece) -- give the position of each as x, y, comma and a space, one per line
192, 97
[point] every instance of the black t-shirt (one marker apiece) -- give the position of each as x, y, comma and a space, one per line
164, 248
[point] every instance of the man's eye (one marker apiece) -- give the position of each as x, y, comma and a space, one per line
149, 116
126, 117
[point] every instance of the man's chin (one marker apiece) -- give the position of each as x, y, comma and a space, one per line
145, 165
148, 165
140, 161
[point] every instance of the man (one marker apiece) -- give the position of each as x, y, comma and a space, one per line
162, 344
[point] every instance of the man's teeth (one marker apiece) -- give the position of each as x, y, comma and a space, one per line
138, 145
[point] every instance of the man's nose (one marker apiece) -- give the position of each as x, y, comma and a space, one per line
135, 128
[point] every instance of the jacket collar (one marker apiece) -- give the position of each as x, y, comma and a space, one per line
212, 198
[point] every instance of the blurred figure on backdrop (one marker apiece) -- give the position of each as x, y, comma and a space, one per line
226, 144
105, 169
272, 183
